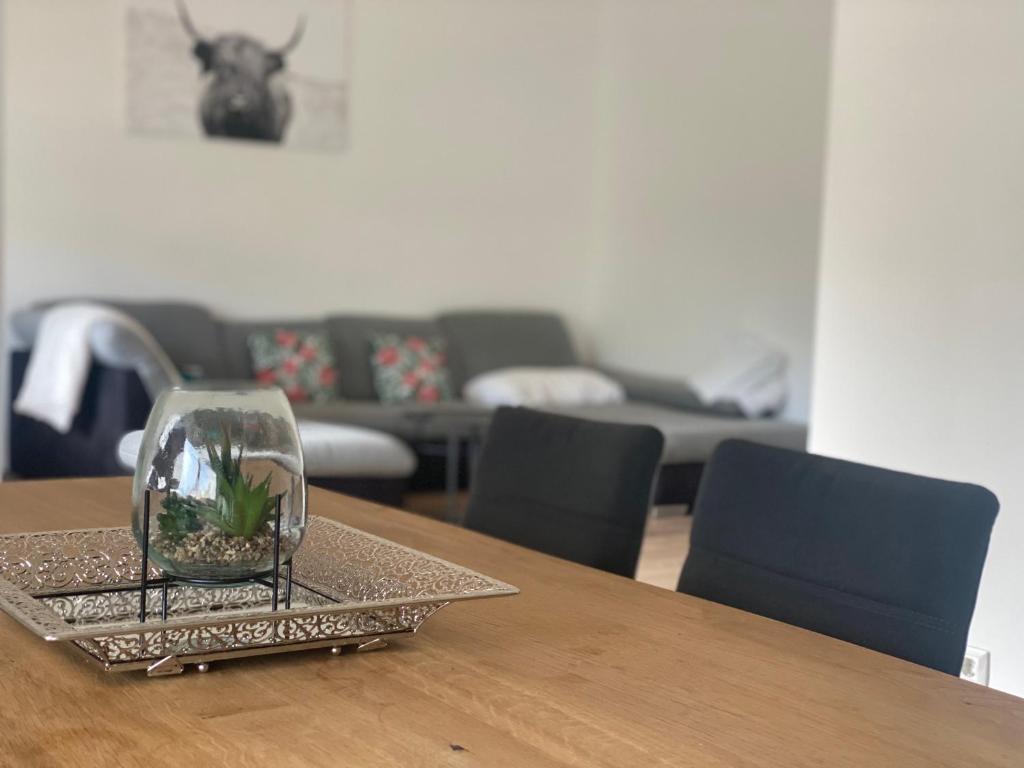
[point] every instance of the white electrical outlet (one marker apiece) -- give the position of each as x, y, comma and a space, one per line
976, 665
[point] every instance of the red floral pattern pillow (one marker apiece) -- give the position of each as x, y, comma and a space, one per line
299, 363
409, 369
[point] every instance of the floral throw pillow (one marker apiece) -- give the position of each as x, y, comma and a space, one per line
409, 369
299, 363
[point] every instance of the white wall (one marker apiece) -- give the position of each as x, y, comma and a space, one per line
467, 181
715, 126
649, 167
919, 353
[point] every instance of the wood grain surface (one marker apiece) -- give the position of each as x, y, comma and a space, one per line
581, 669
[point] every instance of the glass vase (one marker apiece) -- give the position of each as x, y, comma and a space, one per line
215, 462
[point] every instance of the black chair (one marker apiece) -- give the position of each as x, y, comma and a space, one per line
883, 559
569, 487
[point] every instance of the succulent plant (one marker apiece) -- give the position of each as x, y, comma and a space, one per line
242, 507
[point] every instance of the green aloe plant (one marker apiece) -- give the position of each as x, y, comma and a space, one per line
241, 508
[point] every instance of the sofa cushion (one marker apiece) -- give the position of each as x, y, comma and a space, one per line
479, 342
341, 450
411, 421
351, 336
236, 333
301, 364
329, 450
409, 369
691, 437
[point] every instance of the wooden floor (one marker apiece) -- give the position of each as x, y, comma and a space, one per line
661, 558
666, 543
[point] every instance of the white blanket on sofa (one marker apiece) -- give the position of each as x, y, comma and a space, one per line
747, 373
63, 351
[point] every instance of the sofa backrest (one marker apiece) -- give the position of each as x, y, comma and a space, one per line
484, 341
350, 339
188, 333
237, 356
478, 341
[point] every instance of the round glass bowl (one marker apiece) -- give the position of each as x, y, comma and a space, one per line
215, 462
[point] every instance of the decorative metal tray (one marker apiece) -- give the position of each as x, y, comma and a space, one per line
349, 589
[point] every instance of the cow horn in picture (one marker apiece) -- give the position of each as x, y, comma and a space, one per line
186, 22
295, 39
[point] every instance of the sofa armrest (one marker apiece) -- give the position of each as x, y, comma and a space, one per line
112, 346
120, 348
114, 402
665, 391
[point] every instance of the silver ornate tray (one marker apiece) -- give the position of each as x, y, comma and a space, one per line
349, 589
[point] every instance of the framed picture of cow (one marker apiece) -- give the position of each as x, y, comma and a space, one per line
268, 71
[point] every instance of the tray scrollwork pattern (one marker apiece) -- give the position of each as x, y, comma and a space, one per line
82, 587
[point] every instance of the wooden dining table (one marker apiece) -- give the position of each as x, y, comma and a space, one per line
582, 668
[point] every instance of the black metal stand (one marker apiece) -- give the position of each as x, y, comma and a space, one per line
145, 558
165, 582
277, 552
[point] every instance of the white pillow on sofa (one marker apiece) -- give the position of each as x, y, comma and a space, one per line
543, 386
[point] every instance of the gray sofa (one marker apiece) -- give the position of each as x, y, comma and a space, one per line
207, 347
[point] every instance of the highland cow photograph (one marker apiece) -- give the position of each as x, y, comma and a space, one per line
267, 71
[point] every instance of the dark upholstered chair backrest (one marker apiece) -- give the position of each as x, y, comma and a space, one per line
883, 559
569, 487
